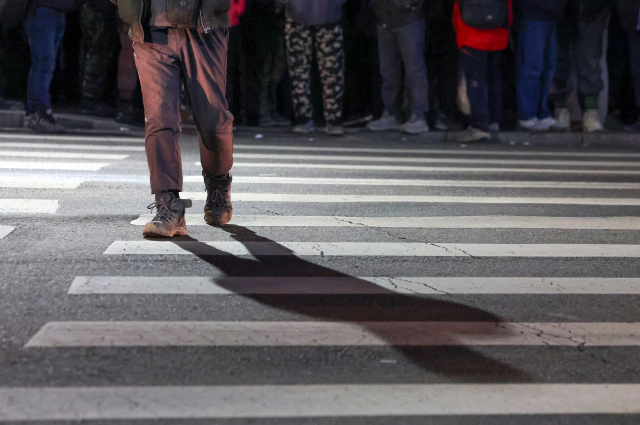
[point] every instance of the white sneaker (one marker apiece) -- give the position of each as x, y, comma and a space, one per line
563, 119
415, 125
333, 130
534, 125
591, 121
472, 135
385, 122
552, 124
306, 128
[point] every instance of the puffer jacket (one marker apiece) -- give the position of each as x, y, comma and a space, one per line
487, 40
313, 12
212, 15
394, 14
629, 11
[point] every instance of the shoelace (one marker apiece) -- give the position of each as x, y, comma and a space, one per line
163, 213
218, 198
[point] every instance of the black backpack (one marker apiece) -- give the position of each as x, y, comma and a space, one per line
485, 14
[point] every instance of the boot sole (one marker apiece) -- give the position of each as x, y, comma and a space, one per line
213, 223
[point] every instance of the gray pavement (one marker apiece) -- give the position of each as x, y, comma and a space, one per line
550, 353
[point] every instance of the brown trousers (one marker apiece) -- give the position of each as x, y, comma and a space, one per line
200, 60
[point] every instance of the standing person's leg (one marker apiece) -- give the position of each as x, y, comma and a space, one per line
475, 64
494, 89
299, 41
329, 44
531, 58
562, 86
391, 72
634, 53
44, 30
233, 90
411, 41
548, 71
204, 61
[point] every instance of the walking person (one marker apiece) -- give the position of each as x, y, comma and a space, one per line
537, 59
401, 42
315, 24
44, 26
175, 42
481, 44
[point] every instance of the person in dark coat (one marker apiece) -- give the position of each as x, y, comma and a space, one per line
629, 11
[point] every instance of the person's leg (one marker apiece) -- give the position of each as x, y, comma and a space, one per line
233, 90
494, 87
566, 35
329, 44
44, 31
159, 70
411, 41
390, 68
548, 69
634, 53
475, 66
299, 41
531, 58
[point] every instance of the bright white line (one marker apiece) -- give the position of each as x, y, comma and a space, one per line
39, 154
469, 152
5, 230
310, 334
79, 166
28, 206
306, 198
72, 138
70, 146
431, 169
315, 401
351, 285
391, 159
37, 184
449, 222
427, 183
379, 249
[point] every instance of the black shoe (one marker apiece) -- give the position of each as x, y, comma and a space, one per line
169, 220
130, 116
43, 122
218, 209
96, 109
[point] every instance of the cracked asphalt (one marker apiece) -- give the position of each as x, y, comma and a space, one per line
41, 257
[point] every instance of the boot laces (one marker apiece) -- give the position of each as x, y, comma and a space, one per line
217, 198
163, 213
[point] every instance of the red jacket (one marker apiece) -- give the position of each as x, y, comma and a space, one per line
487, 40
237, 9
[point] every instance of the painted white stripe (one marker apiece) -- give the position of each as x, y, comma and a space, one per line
78, 166
33, 184
380, 249
450, 222
28, 206
314, 401
354, 167
38, 154
72, 138
469, 152
425, 183
351, 285
307, 334
5, 230
70, 146
306, 198
432, 160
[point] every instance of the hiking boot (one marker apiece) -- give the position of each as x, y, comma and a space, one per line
385, 122
333, 130
563, 119
591, 121
169, 220
473, 135
44, 122
415, 125
306, 128
218, 209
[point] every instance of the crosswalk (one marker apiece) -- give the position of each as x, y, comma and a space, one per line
274, 255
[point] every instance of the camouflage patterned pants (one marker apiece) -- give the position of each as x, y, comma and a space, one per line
328, 41
101, 42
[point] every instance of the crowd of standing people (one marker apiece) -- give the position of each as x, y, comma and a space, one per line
321, 65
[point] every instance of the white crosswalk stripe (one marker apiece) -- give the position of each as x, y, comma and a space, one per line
321, 198
60, 146
450, 222
70, 155
315, 401
367, 249
5, 230
14, 136
45, 165
40, 184
28, 206
350, 285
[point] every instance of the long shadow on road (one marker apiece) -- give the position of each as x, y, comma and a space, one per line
450, 358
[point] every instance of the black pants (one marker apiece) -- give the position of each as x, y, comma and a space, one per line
484, 86
634, 50
235, 61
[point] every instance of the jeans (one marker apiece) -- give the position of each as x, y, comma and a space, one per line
45, 29
537, 58
484, 86
404, 45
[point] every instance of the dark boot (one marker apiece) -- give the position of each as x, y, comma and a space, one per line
218, 209
169, 220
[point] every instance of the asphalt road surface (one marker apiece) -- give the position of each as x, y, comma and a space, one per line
361, 281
